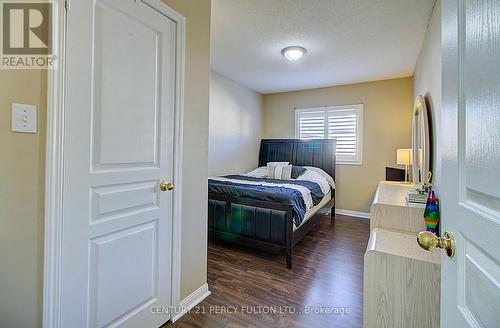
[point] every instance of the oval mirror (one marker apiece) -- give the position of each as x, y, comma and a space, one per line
420, 143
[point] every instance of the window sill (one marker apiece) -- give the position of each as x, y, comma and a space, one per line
348, 163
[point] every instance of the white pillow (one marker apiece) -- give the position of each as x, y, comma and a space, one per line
277, 163
270, 167
281, 172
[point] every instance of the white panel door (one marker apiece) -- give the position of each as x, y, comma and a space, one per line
470, 187
119, 123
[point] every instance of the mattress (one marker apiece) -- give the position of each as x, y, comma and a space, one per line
313, 210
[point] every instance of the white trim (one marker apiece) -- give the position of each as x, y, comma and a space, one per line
167, 11
54, 165
191, 301
355, 108
52, 265
363, 215
178, 145
178, 154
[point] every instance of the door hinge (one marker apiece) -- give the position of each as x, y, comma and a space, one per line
66, 5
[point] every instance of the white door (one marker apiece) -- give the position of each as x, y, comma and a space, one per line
118, 146
470, 187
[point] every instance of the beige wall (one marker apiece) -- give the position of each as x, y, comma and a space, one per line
195, 168
427, 82
22, 169
22, 159
235, 127
387, 126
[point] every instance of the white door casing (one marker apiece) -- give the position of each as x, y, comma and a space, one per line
116, 113
470, 186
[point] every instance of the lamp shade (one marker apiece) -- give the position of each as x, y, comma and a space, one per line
404, 157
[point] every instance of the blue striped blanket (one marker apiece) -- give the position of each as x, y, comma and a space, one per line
301, 194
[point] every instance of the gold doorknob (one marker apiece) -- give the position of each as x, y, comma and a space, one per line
164, 186
429, 241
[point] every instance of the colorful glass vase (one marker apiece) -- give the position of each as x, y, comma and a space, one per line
431, 213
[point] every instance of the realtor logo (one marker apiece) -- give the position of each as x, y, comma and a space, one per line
27, 35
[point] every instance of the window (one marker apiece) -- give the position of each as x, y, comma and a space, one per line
344, 123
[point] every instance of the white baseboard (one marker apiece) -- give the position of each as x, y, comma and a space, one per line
363, 215
191, 301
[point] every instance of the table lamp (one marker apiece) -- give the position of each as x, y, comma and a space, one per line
404, 158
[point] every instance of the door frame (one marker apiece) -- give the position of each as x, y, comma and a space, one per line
52, 267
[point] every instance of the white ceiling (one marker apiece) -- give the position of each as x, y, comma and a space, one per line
347, 41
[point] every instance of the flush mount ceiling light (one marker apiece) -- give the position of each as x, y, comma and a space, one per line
293, 53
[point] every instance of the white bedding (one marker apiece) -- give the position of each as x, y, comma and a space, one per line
310, 212
314, 174
260, 172
309, 175
325, 175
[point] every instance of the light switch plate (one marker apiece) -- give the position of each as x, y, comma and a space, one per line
23, 118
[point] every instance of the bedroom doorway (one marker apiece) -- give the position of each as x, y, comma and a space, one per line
113, 162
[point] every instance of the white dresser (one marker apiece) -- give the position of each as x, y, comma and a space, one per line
401, 281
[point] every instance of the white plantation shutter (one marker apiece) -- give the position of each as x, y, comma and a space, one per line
312, 125
344, 123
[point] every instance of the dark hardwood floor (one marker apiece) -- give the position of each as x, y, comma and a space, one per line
253, 289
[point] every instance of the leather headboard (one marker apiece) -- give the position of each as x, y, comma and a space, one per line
315, 152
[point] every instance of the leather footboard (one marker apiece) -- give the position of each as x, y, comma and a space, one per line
248, 221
